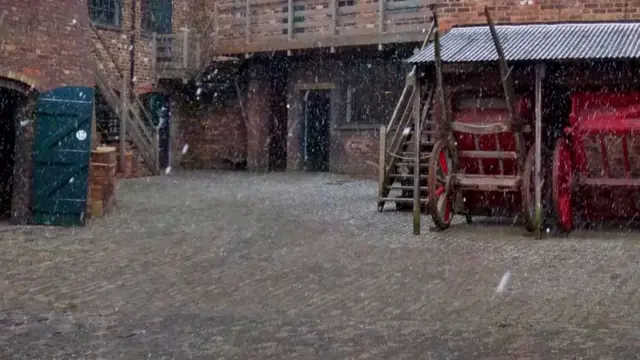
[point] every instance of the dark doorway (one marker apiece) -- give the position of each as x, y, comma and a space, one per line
316, 117
10, 101
158, 107
278, 123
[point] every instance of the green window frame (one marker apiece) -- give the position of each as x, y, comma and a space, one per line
156, 16
106, 12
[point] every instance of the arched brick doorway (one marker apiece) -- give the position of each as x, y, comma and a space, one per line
16, 98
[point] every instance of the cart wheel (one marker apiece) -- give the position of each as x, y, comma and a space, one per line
563, 184
529, 191
380, 206
439, 186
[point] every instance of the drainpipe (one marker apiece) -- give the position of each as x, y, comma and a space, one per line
132, 38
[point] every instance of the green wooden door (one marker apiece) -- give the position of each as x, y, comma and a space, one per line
62, 152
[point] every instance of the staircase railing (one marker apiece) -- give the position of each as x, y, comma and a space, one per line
393, 135
141, 128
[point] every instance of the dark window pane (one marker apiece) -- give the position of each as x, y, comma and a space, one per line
106, 12
156, 16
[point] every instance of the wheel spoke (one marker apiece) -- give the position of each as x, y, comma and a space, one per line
442, 199
443, 163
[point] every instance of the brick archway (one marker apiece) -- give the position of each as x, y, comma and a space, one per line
17, 105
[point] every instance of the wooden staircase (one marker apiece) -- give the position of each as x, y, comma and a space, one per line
138, 122
398, 156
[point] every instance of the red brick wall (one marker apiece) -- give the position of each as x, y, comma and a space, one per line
462, 12
216, 136
46, 42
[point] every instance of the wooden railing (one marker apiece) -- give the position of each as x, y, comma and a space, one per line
248, 26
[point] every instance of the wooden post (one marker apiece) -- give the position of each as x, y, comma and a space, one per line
416, 164
247, 19
382, 162
216, 25
290, 18
94, 125
154, 58
509, 93
198, 51
4, 12
381, 16
185, 49
538, 149
123, 124
334, 17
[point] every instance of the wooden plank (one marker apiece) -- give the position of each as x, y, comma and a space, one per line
122, 146
488, 183
608, 182
481, 129
290, 19
334, 17
481, 154
476, 144
382, 174
247, 20
416, 160
381, 15
507, 85
233, 45
539, 73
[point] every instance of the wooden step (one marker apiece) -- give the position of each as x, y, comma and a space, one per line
404, 187
424, 164
404, 200
488, 182
411, 155
408, 176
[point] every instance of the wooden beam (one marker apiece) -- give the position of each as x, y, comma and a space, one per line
538, 150
509, 92
416, 165
290, 19
382, 161
305, 41
381, 5
502, 62
247, 21
334, 17
185, 49
122, 148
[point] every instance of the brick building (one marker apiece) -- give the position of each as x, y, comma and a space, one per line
363, 83
279, 85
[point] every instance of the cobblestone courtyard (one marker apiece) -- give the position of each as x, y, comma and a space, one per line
290, 266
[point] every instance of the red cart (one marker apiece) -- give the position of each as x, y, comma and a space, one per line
596, 166
485, 166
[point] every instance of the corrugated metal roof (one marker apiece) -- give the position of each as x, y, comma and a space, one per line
538, 42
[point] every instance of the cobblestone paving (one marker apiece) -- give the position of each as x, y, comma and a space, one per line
291, 266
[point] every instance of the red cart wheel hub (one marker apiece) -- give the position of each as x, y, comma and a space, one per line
563, 184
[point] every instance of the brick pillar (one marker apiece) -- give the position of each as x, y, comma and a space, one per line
258, 115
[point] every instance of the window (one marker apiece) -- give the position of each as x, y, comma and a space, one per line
373, 89
156, 16
106, 12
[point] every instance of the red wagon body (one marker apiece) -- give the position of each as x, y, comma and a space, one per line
479, 169
484, 112
596, 169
